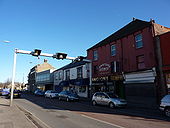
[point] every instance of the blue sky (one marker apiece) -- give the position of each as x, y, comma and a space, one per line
69, 26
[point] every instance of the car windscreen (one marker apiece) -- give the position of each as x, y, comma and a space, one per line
53, 91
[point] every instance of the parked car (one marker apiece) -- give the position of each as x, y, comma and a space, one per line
51, 94
16, 94
109, 99
39, 92
1, 90
5, 92
165, 105
68, 96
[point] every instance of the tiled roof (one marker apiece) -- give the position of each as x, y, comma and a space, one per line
130, 28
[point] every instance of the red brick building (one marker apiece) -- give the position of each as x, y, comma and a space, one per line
163, 42
126, 62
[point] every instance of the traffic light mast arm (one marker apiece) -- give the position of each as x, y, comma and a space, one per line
22, 51
70, 58
41, 54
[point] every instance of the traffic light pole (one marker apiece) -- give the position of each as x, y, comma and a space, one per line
13, 77
17, 51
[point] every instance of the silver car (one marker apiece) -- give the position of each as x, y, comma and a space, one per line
165, 105
51, 94
109, 99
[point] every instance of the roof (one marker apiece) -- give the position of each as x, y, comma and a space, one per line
72, 65
164, 33
130, 28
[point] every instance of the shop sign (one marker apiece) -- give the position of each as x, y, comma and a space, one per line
100, 78
104, 67
116, 77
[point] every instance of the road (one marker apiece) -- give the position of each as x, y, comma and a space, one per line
52, 113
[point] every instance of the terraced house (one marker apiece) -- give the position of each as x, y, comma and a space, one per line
126, 62
73, 77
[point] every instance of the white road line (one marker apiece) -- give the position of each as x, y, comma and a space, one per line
103, 121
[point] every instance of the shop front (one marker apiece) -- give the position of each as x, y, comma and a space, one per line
140, 87
79, 86
112, 83
168, 82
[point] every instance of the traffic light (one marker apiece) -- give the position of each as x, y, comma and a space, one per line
60, 56
80, 58
36, 52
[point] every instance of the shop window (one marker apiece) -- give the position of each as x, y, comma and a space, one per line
82, 89
79, 72
140, 62
113, 50
138, 41
95, 55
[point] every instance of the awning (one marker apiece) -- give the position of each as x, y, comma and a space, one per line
147, 76
64, 83
79, 82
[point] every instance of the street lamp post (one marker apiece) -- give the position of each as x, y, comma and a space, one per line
5, 41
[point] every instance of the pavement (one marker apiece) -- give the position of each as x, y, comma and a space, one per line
13, 117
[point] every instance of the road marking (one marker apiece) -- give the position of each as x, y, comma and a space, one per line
102, 121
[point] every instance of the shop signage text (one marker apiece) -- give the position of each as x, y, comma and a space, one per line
104, 67
100, 79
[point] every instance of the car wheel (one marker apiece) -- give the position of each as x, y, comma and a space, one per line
59, 98
111, 105
67, 99
50, 97
94, 103
167, 112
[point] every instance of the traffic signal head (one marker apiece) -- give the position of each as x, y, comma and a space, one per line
36, 52
80, 58
60, 56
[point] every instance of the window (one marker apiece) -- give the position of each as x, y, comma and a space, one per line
67, 74
79, 72
113, 50
60, 75
95, 55
138, 40
57, 76
82, 89
42, 77
140, 62
115, 67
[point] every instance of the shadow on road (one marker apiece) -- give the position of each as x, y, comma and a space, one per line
85, 106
